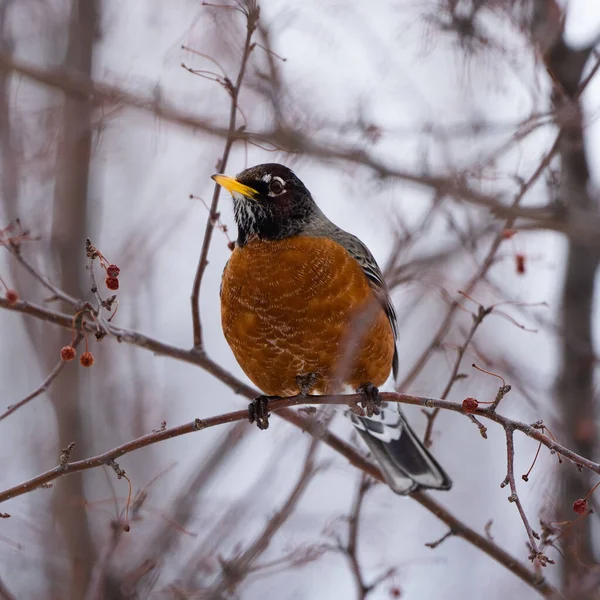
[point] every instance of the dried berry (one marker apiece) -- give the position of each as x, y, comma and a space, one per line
12, 297
112, 283
470, 405
231, 246
520, 263
67, 353
580, 506
86, 359
113, 271
395, 592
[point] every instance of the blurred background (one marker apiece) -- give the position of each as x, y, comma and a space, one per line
423, 127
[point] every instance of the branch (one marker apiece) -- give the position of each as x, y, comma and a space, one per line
487, 263
575, 385
340, 446
43, 387
190, 356
583, 224
478, 318
57, 293
350, 550
333, 441
5, 593
234, 91
536, 554
237, 569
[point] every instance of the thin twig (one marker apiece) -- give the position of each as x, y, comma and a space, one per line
434, 545
536, 555
487, 263
581, 222
340, 446
478, 318
161, 349
235, 570
350, 549
57, 293
43, 387
234, 92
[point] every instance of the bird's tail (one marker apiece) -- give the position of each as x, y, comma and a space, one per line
405, 463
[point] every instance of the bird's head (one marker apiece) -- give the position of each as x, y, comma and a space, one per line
269, 202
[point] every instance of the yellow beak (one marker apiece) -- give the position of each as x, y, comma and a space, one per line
233, 185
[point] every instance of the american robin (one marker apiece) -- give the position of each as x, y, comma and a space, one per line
306, 310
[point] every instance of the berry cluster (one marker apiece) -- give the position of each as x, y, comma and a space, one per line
68, 353
112, 270
112, 277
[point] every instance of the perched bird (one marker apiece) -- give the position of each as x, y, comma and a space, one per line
305, 310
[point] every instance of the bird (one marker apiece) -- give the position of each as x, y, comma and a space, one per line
306, 311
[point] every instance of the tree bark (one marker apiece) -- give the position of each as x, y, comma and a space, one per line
69, 230
575, 384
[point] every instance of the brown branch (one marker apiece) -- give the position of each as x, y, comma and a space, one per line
478, 318
575, 386
5, 593
333, 441
252, 15
439, 541
57, 293
350, 549
582, 223
480, 274
342, 448
43, 387
536, 555
157, 347
237, 569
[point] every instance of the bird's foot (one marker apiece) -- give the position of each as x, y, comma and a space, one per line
306, 383
258, 411
371, 400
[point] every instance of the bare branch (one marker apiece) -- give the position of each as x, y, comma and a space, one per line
237, 569
43, 387
343, 448
234, 91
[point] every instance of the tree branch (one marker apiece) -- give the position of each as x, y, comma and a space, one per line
43, 387
583, 224
252, 15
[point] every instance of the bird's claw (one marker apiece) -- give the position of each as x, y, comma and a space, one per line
371, 400
258, 411
306, 383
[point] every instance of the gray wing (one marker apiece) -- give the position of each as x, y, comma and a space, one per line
371, 269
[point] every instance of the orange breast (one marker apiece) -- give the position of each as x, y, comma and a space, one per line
303, 305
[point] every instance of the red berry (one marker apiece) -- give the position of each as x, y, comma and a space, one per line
113, 271
508, 233
86, 359
12, 296
231, 246
67, 353
395, 592
470, 405
520, 261
580, 506
112, 283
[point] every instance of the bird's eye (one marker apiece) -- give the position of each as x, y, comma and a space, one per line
276, 186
